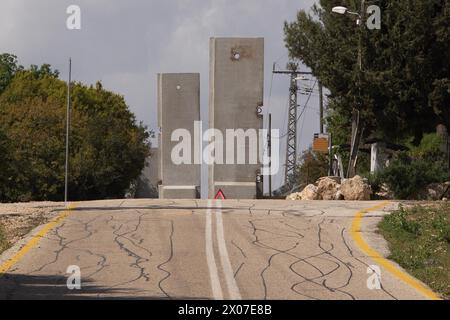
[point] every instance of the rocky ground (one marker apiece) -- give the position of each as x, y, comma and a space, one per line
18, 219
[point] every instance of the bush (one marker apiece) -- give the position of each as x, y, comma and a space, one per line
410, 172
406, 177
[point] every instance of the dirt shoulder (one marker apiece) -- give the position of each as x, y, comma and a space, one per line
18, 219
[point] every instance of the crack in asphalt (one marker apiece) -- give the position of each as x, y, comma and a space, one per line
362, 262
160, 267
276, 228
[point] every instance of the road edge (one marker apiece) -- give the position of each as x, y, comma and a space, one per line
373, 254
17, 253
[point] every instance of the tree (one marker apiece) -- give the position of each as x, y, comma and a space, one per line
404, 85
108, 148
311, 167
8, 68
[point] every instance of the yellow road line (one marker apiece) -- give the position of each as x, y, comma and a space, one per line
380, 260
6, 266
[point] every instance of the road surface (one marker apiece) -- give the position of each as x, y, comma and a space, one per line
161, 249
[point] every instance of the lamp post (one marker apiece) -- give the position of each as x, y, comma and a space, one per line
66, 175
356, 124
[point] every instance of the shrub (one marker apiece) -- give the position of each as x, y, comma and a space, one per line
406, 177
410, 172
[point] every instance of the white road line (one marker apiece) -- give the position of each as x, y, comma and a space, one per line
233, 289
213, 272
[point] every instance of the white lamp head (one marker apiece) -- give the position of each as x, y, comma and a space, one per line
339, 10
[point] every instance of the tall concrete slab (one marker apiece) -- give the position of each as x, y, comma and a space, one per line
236, 96
178, 108
147, 185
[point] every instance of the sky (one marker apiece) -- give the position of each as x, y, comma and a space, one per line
125, 43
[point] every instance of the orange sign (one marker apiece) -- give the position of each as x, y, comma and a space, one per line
321, 143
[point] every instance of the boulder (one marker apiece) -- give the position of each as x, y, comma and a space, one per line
338, 180
339, 196
434, 192
294, 196
309, 193
328, 188
356, 189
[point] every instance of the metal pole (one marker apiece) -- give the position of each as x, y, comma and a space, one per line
270, 154
356, 121
67, 134
330, 154
321, 108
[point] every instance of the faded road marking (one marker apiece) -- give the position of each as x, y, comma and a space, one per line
233, 289
212, 266
6, 266
380, 260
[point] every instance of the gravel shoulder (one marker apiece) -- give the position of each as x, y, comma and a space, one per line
18, 219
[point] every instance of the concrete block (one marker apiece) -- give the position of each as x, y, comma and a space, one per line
178, 108
147, 186
179, 192
236, 190
236, 95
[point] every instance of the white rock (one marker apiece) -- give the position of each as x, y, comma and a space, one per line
310, 193
294, 197
356, 189
328, 188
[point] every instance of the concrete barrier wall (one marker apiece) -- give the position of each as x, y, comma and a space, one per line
236, 92
178, 108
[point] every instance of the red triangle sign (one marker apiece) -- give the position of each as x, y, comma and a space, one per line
220, 195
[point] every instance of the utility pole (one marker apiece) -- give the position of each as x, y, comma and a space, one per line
322, 131
291, 145
66, 184
269, 145
357, 131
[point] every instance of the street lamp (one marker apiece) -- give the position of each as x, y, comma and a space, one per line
344, 10
356, 123
66, 174
339, 10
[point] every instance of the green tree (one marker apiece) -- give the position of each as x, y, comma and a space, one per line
404, 85
108, 147
8, 68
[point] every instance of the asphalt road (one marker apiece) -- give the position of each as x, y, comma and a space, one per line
154, 249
